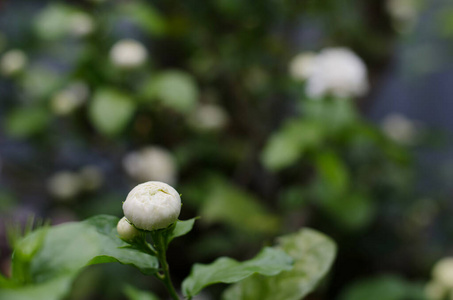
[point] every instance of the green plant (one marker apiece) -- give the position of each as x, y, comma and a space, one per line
47, 260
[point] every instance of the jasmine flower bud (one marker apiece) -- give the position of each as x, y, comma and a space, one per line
152, 205
126, 231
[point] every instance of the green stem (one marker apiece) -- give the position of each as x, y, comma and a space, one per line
160, 246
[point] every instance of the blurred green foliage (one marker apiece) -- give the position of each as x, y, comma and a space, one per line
277, 161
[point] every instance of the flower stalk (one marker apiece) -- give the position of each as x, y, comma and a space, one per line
164, 276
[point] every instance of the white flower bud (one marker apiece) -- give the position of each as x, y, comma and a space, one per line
443, 272
152, 205
13, 62
128, 54
126, 231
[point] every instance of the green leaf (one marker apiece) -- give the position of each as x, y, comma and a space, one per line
351, 208
133, 293
269, 261
41, 81
286, 146
52, 22
54, 289
383, 287
333, 172
334, 114
24, 122
110, 111
313, 255
144, 15
69, 247
175, 89
226, 203
24, 251
181, 228
352, 211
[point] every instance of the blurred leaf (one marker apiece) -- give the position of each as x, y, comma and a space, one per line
110, 111
224, 202
54, 289
445, 20
40, 81
269, 261
133, 293
351, 211
7, 199
24, 251
27, 121
290, 143
52, 22
333, 171
333, 114
313, 255
67, 249
145, 15
384, 287
175, 89
293, 197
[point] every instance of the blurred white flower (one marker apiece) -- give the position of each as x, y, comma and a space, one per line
435, 291
400, 129
403, 12
152, 205
301, 66
91, 178
81, 24
66, 101
151, 163
443, 272
209, 117
125, 230
12, 62
64, 185
128, 53
338, 72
